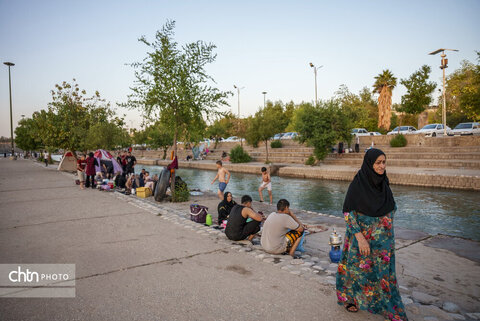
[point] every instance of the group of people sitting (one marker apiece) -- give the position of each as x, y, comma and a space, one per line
282, 230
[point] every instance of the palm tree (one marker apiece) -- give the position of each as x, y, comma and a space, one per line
384, 84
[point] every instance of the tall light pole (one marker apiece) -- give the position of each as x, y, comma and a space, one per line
264, 98
238, 96
443, 66
10, 64
315, 72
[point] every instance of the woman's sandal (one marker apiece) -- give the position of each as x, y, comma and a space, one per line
350, 306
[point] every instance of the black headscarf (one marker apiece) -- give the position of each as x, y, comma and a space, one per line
369, 193
225, 204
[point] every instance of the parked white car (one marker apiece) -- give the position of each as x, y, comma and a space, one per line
403, 130
290, 135
360, 132
463, 129
277, 136
231, 139
375, 134
433, 130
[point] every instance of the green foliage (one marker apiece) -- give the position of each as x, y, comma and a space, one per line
419, 91
239, 155
463, 93
361, 109
398, 141
267, 122
181, 193
172, 85
73, 122
222, 127
276, 144
310, 161
385, 79
26, 137
322, 126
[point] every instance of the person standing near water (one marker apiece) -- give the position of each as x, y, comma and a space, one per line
266, 183
366, 277
222, 181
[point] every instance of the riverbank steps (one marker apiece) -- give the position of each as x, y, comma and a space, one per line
436, 283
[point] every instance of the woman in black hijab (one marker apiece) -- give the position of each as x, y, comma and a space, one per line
225, 206
366, 277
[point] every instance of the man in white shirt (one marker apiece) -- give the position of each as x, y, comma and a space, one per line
282, 231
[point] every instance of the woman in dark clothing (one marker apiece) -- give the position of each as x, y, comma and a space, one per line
225, 206
90, 171
366, 277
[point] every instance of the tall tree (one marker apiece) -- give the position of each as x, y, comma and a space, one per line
322, 126
463, 93
26, 136
267, 122
419, 91
172, 84
384, 85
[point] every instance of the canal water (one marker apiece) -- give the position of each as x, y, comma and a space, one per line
432, 210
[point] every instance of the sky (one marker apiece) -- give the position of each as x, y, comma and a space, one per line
261, 46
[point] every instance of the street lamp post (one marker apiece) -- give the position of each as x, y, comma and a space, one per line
315, 72
10, 64
238, 97
443, 66
264, 98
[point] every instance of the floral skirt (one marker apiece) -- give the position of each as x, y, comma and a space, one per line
370, 282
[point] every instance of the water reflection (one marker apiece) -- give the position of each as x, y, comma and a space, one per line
451, 212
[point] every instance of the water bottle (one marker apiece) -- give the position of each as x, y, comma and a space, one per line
208, 220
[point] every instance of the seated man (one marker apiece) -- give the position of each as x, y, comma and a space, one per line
149, 182
282, 231
237, 226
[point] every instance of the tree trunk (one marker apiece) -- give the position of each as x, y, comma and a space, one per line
172, 185
384, 108
266, 148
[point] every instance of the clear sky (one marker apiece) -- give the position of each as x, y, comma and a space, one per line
262, 45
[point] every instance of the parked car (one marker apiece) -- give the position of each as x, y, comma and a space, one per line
464, 129
277, 136
290, 135
433, 130
360, 132
232, 139
403, 130
375, 134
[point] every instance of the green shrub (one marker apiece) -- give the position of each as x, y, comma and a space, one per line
239, 155
181, 193
276, 144
310, 161
398, 141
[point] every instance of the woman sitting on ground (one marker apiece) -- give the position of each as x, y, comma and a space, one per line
366, 277
225, 206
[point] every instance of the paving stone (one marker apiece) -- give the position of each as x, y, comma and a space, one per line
424, 298
318, 267
260, 256
434, 311
236, 247
406, 300
314, 259
474, 316
269, 259
430, 319
457, 316
296, 272
306, 269
450, 307
286, 267
323, 262
308, 264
